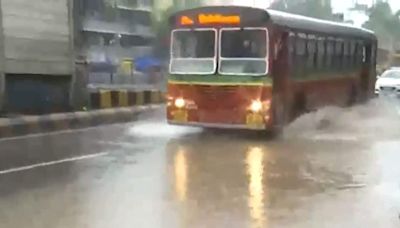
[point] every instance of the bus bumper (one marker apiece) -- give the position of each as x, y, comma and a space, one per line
219, 126
249, 121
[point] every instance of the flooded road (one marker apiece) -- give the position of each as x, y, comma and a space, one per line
333, 168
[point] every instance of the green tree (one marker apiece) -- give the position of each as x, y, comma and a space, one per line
162, 27
383, 21
312, 8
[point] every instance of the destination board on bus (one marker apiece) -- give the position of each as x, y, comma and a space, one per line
219, 16
205, 19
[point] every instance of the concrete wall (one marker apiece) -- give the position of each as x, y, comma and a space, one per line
37, 37
37, 70
2, 73
2, 90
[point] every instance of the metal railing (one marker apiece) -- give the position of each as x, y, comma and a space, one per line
95, 24
136, 80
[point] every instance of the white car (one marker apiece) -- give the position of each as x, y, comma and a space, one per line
388, 83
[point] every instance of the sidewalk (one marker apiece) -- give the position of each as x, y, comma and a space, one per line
109, 104
25, 125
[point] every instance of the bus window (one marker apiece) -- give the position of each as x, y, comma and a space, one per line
321, 54
353, 55
346, 55
361, 53
311, 54
243, 52
373, 55
364, 54
300, 56
329, 54
292, 53
357, 55
193, 51
338, 54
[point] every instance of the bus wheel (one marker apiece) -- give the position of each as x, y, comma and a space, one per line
352, 99
299, 106
279, 117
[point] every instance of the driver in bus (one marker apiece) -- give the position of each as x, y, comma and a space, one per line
249, 50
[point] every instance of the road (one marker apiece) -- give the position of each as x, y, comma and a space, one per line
334, 168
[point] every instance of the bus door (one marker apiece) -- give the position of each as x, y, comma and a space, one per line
280, 79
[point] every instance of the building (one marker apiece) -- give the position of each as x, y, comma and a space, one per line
114, 33
162, 5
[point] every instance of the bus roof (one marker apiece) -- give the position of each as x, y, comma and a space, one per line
294, 21
287, 20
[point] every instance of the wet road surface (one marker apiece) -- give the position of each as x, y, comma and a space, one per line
345, 173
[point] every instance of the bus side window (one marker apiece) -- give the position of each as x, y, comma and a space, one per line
373, 55
329, 54
292, 53
334, 57
361, 53
338, 55
311, 57
357, 57
364, 55
346, 54
321, 54
301, 54
353, 55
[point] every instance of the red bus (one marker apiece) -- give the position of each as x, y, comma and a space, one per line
249, 68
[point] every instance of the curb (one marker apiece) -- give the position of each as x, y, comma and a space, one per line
68, 121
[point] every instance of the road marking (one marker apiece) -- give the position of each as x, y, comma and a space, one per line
38, 135
57, 162
120, 144
61, 132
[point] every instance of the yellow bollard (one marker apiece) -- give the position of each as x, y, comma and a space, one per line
123, 98
105, 99
155, 97
139, 98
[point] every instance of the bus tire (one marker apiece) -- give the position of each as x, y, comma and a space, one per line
277, 127
299, 106
352, 99
279, 116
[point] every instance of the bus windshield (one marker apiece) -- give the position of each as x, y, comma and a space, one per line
193, 52
243, 51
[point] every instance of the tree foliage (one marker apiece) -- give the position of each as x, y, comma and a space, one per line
161, 23
312, 8
383, 21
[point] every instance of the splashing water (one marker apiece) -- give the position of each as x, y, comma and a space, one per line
376, 120
161, 130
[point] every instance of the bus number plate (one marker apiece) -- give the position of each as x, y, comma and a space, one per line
254, 120
180, 115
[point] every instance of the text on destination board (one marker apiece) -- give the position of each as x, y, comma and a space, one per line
211, 19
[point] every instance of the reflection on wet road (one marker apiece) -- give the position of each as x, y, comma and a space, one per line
149, 174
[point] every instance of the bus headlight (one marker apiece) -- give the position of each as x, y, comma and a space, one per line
256, 106
180, 103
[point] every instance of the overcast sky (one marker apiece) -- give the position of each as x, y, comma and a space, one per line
341, 5
338, 5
